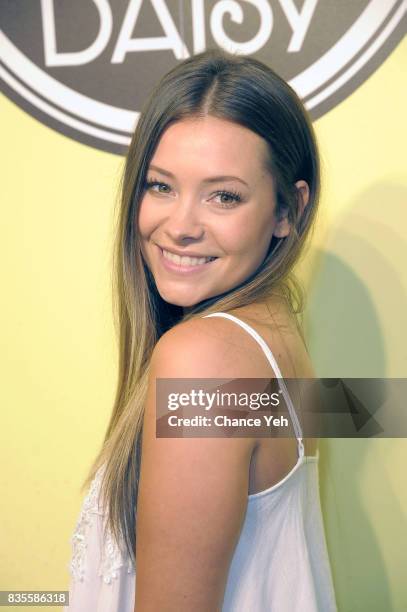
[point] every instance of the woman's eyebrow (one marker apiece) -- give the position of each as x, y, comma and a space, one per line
212, 179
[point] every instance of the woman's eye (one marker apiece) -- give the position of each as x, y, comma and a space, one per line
229, 199
149, 184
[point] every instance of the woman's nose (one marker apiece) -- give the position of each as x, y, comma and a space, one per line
184, 221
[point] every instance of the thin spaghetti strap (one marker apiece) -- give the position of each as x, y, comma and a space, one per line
276, 369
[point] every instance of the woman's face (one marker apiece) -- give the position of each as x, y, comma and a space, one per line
208, 215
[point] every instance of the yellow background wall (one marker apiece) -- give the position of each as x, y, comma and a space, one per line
58, 357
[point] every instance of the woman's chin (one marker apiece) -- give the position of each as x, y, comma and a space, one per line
183, 300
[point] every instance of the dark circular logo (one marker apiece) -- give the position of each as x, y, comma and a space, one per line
85, 67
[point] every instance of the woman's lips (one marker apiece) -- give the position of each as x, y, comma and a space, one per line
171, 266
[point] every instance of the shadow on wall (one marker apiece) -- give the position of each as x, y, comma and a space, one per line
357, 297
355, 325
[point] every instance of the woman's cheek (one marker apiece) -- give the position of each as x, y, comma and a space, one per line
238, 237
146, 218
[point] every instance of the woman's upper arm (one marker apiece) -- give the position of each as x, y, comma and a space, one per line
193, 491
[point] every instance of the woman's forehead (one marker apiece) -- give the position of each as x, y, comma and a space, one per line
211, 142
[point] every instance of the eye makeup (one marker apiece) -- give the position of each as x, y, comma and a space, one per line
233, 195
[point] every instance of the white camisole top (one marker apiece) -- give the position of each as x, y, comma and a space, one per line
280, 563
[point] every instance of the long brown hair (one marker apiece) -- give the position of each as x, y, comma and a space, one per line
234, 88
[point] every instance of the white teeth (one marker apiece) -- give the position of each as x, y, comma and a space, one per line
186, 261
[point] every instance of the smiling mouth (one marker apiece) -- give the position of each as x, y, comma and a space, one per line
185, 261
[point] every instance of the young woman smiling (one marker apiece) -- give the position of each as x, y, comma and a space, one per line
220, 191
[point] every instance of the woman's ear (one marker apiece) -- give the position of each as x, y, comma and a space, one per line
283, 226
303, 195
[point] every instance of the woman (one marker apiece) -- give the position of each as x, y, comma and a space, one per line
219, 193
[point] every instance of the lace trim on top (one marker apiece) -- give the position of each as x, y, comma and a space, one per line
111, 556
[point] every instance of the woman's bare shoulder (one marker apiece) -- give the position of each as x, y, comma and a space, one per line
211, 347
276, 323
